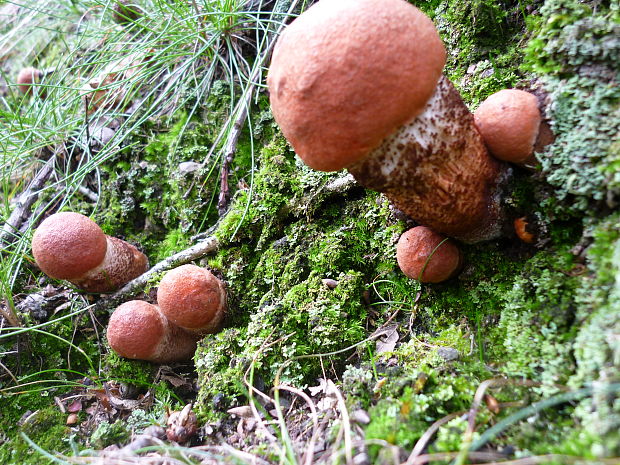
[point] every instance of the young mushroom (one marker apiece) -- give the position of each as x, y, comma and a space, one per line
429, 257
512, 126
27, 78
381, 108
139, 330
192, 298
73, 247
523, 230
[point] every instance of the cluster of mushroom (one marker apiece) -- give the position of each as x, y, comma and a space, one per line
358, 84
192, 301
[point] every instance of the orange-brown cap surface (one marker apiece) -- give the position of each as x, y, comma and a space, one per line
192, 298
418, 259
509, 122
26, 78
346, 73
66, 245
136, 329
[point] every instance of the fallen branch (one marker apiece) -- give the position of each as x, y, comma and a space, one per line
206, 245
134, 287
19, 215
229, 153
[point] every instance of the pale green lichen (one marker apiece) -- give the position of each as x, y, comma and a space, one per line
585, 115
576, 48
597, 345
537, 321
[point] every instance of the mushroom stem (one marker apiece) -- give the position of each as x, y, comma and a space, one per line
436, 169
122, 262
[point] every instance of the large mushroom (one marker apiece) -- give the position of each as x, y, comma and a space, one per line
357, 84
71, 246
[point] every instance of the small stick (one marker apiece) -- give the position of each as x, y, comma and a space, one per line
229, 153
9, 314
199, 250
428, 434
25, 201
241, 110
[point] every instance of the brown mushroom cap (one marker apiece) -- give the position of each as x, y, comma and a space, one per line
415, 247
347, 73
509, 122
139, 330
66, 245
135, 330
26, 78
192, 298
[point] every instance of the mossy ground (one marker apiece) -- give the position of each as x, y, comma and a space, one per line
548, 313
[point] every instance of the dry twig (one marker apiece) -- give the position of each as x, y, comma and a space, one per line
132, 288
21, 212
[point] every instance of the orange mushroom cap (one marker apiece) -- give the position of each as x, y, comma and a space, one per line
192, 298
66, 245
136, 329
522, 229
420, 255
509, 122
347, 73
139, 330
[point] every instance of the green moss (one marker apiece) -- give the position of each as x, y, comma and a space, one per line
45, 428
135, 372
482, 39
570, 34
280, 244
110, 433
406, 409
537, 321
165, 189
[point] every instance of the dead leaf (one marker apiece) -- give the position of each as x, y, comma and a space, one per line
244, 411
388, 342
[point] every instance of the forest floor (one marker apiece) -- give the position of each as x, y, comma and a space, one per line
159, 128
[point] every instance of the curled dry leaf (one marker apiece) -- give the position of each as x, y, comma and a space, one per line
181, 426
388, 342
244, 411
